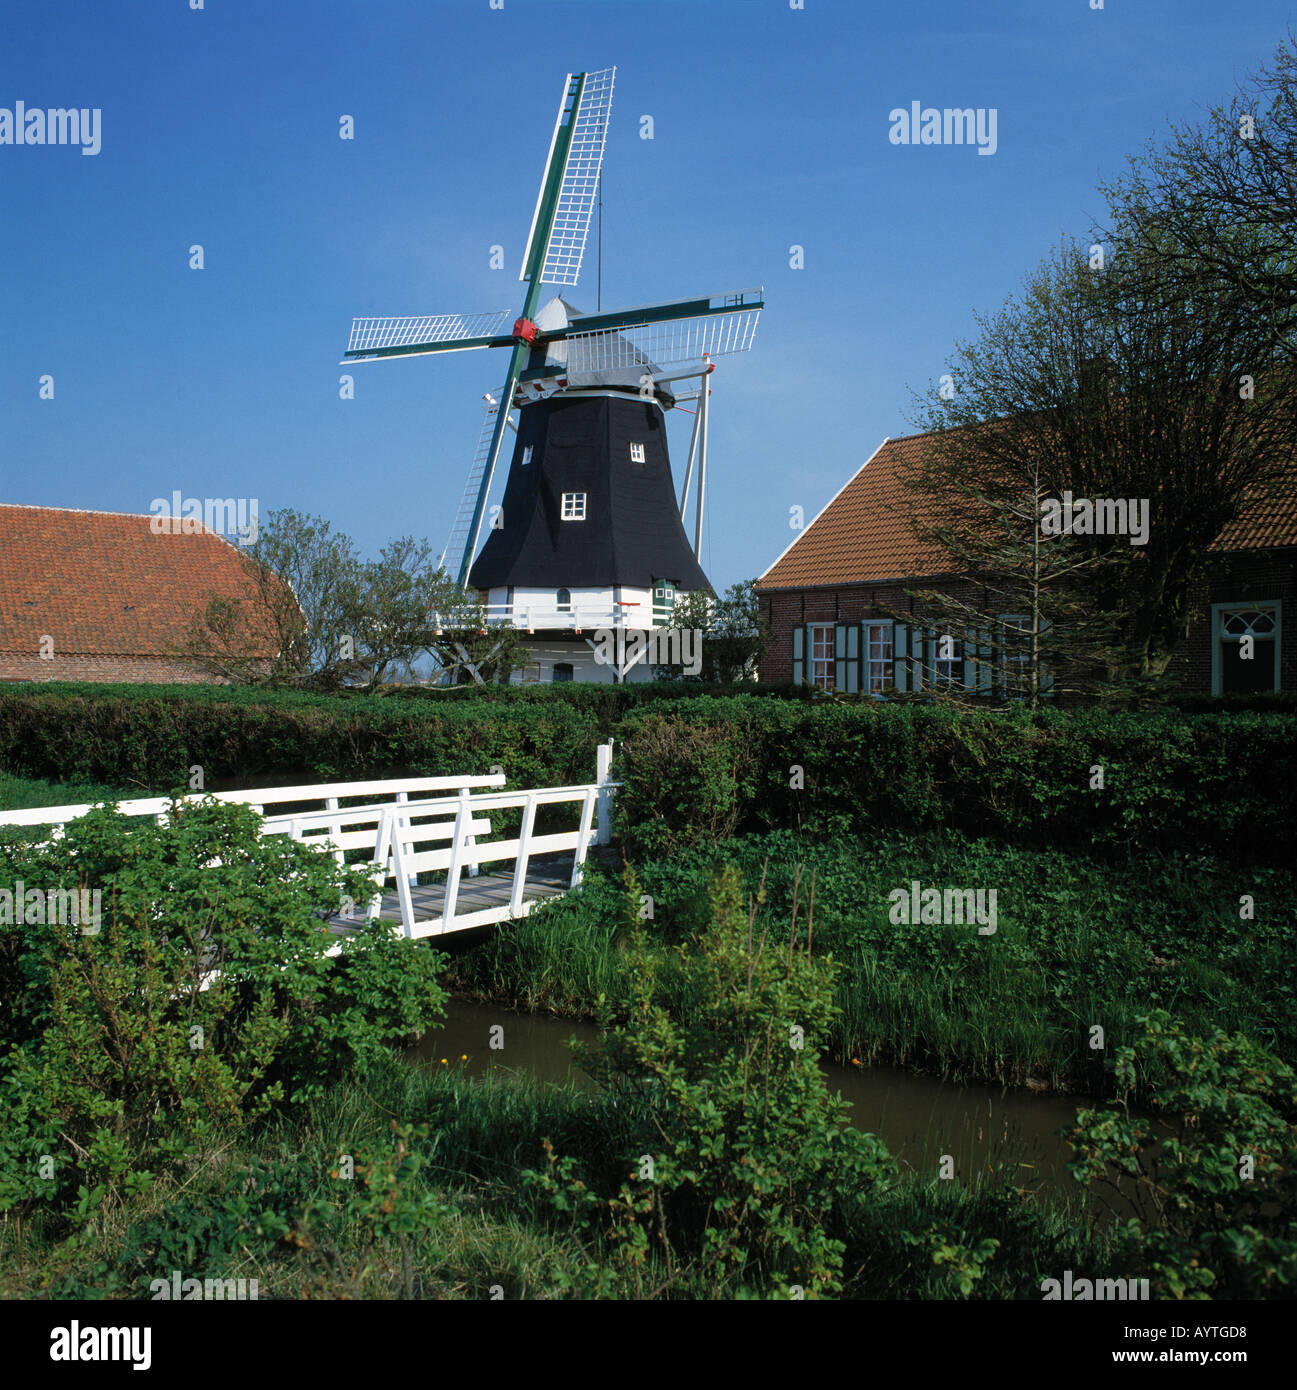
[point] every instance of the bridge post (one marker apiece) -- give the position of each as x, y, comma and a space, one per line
603, 766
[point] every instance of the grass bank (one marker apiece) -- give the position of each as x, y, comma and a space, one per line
1078, 945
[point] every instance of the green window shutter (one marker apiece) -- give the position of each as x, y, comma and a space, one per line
1046, 675
970, 659
799, 655
846, 657
900, 656
986, 663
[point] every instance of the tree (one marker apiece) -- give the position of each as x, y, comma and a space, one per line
1020, 610
734, 632
1108, 379
315, 615
1219, 201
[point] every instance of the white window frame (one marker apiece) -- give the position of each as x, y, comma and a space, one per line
637, 453
1218, 611
947, 672
821, 654
564, 605
526, 454
880, 664
573, 506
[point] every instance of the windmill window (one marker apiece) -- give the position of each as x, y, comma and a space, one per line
637, 453
664, 601
574, 506
563, 671
564, 600
526, 454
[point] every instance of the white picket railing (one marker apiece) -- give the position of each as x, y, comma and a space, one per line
398, 830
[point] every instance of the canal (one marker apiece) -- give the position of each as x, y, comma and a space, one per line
919, 1118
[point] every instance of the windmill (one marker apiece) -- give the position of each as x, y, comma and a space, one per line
590, 529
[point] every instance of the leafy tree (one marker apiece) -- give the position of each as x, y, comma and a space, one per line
734, 631
315, 615
1108, 379
1218, 202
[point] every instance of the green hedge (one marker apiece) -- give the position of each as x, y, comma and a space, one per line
149, 737
1220, 784
699, 768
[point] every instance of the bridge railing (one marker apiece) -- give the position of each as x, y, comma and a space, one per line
408, 832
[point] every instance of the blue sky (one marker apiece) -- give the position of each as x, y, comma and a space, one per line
220, 128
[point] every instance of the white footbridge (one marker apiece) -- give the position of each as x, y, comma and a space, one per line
438, 828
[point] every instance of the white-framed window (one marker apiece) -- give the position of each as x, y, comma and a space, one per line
1245, 646
878, 653
563, 600
947, 660
637, 453
820, 667
574, 506
526, 454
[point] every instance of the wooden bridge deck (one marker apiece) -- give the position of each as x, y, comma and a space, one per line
548, 878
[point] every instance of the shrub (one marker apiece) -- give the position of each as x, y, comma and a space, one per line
119, 1056
1214, 1177
745, 1154
1221, 784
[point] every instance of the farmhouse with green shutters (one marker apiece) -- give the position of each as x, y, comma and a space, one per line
832, 597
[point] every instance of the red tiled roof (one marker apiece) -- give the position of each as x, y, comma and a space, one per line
103, 584
864, 535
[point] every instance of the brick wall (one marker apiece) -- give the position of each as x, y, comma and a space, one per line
24, 667
1235, 578
1241, 577
850, 604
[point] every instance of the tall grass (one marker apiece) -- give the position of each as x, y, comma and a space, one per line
225, 1219
1078, 945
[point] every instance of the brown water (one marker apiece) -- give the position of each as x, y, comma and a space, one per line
919, 1118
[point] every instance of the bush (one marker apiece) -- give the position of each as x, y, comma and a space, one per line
120, 1061
1219, 784
1217, 1192
746, 1155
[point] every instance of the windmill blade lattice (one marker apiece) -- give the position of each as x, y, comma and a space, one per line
453, 558
579, 186
415, 334
662, 344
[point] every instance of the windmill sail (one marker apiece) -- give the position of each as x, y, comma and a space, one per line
415, 335
568, 193
607, 348
454, 557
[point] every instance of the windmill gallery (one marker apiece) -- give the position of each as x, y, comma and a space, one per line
590, 539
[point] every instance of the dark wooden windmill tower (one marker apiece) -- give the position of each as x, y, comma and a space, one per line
589, 537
